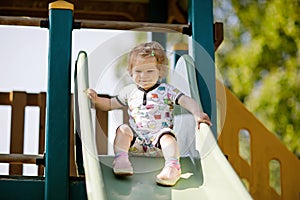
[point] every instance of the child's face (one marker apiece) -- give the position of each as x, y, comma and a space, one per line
145, 73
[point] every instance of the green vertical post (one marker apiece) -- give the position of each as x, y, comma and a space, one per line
160, 7
201, 19
58, 101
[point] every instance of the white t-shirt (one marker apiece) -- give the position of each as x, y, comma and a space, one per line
150, 110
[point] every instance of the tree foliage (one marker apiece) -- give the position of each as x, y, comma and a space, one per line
260, 61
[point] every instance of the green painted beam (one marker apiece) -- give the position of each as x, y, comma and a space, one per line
58, 101
28, 188
201, 19
21, 187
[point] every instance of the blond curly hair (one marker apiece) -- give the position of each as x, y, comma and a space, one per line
149, 49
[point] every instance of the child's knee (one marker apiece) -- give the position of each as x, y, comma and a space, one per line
167, 139
125, 130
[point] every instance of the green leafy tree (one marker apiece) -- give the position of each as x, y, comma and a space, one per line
260, 61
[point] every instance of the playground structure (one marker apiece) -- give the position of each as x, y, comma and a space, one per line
62, 180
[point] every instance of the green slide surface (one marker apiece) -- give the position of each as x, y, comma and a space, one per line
142, 184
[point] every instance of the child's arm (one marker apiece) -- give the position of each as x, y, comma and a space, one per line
192, 106
103, 103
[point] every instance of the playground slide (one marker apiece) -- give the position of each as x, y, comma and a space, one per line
206, 174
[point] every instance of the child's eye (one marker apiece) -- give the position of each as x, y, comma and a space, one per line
150, 71
137, 71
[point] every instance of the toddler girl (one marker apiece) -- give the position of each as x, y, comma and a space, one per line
150, 108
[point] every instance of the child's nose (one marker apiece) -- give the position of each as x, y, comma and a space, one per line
143, 74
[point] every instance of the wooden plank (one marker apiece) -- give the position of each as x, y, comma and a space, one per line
100, 24
4, 98
73, 170
218, 34
101, 131
120, 10
20, 21
18, 102
19, 158
41, 102
135, 26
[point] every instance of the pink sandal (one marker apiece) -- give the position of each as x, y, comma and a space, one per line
122, 166
169, 175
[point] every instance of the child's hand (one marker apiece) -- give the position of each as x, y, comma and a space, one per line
92, 94
202, 118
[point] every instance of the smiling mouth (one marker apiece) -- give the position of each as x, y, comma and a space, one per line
144, 81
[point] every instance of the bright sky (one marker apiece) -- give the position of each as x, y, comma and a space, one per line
24, 55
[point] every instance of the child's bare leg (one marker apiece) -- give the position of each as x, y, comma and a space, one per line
123, 139
171, 172
121, 164
169, 146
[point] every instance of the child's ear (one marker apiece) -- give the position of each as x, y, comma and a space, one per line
129, 73
161, 74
